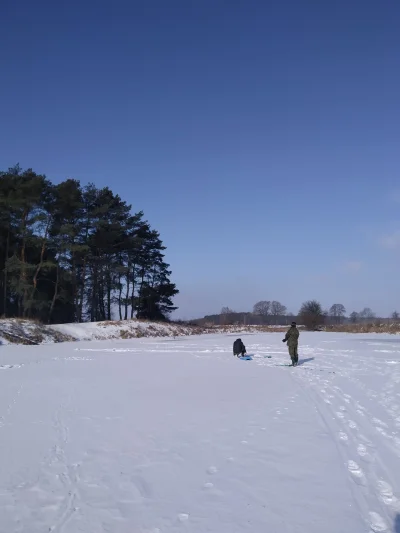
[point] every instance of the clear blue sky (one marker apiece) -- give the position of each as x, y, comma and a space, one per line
262, 139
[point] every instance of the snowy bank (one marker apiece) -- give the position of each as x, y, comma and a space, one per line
17, 331
126, 329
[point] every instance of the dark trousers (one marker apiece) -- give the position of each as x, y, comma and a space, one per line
294, 356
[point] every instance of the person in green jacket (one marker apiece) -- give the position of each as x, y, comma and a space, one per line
292, 339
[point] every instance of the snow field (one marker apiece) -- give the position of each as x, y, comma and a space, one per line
177, 435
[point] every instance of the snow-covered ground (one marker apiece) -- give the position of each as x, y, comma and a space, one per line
21, 331
177, 435
121, 329
29, 332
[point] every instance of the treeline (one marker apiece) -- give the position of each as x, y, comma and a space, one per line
264, 313
311, 314
70, 253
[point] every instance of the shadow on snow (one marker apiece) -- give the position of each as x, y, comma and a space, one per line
302, 361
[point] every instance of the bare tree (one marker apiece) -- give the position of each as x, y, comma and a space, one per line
311, 314
277, 310
262, 308
225, 316
395, 315
354, 317
337, 312
367, 314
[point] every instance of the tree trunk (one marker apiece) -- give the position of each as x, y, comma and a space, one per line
39, 267
109, 295
5, 274
55, 295
127, 291
101, 282
24, 296
94, 299
84, 266
82, 291
120, 295
75, 287
133, 292
140, 292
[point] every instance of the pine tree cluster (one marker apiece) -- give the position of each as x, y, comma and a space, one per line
70, 253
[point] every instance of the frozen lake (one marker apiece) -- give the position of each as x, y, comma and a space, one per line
163, 435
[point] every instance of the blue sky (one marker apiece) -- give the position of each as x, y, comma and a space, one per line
262, 139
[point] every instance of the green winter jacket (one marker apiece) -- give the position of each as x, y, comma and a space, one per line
292, 336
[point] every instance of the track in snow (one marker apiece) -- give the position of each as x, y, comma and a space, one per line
168, 435
369, 445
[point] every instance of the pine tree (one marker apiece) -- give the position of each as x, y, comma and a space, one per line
69, 253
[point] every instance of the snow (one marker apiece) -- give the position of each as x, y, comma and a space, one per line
27, 332
176, 435
113, 329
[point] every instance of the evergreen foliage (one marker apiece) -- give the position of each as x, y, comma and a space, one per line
71, 254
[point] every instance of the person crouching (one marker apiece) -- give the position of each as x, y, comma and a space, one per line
239, 349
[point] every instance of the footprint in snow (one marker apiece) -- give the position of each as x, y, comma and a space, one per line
339, 414
343, 436
356, 472
386, 492
381, 431
366, 441
363, 453
352, 424
212, 470
379, 422
377, 523
183, 517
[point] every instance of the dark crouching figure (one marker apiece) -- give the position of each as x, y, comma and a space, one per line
239, 348
292, 339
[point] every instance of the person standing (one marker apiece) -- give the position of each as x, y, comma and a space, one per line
292, 339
